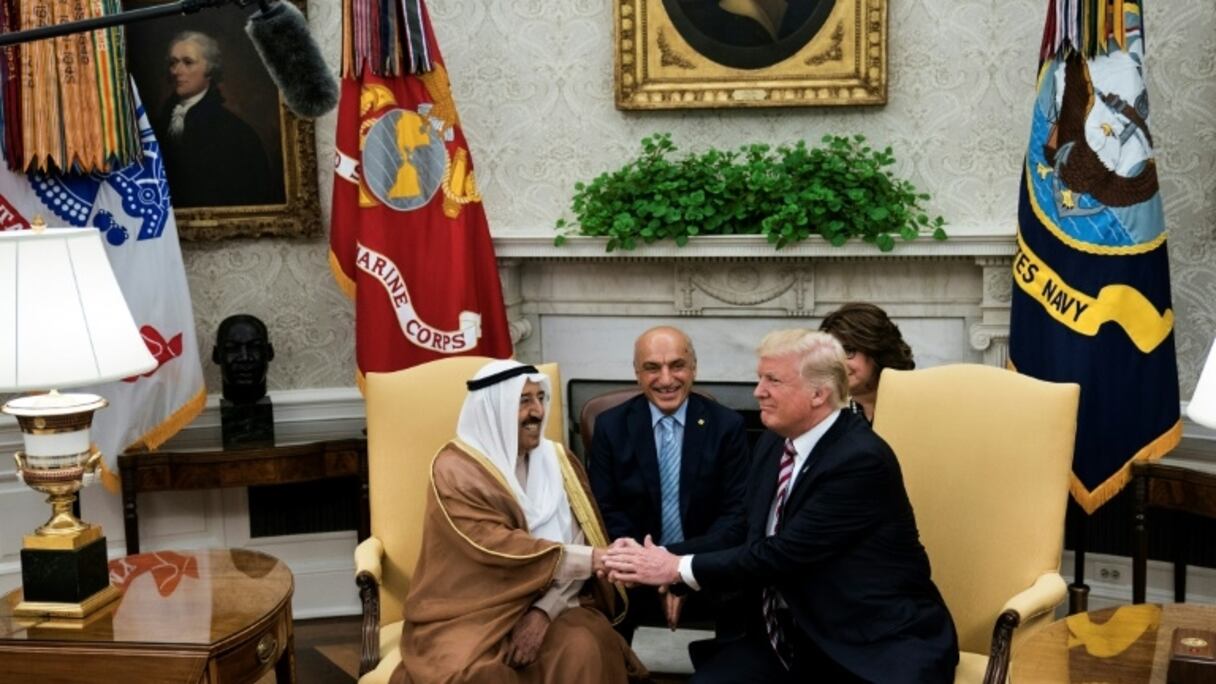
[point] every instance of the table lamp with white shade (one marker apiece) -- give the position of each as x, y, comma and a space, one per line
66, 325
1202, 407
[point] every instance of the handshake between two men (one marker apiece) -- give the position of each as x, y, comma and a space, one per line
630, 564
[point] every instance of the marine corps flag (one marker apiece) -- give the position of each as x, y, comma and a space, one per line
1091, 296
409, 240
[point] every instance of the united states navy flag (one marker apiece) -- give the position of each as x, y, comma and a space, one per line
1091, 296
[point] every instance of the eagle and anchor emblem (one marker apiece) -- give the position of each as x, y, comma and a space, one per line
1091, 151
1091, 182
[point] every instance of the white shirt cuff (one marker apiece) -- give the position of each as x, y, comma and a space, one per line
686, 573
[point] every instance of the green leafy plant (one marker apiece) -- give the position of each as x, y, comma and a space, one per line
840, 189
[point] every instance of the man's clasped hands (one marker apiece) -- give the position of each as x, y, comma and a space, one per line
629, 563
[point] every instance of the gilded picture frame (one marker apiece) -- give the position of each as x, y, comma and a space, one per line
238, 162
701, 54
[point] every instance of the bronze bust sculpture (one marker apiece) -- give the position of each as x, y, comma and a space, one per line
243, 351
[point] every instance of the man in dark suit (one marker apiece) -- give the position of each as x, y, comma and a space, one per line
669, 464
837, 584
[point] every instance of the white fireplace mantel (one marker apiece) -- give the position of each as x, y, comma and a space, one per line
540, 246
572, 303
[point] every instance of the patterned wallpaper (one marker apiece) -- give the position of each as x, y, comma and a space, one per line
533, 82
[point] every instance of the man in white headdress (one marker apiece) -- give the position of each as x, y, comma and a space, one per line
504, 590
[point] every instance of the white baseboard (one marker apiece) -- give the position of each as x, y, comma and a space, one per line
1110, 580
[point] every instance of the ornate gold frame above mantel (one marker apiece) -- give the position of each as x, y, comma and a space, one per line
667, 58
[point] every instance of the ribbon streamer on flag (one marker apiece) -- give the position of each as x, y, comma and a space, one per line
1091, 297
67, 103
130, 207
409, 240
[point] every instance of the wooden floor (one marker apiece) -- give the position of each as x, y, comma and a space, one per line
327, 652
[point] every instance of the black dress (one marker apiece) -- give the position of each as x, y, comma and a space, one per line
856, 409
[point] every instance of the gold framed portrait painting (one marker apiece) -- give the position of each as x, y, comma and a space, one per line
686, 54
238, 162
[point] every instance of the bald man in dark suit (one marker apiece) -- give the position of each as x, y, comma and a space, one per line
671, 464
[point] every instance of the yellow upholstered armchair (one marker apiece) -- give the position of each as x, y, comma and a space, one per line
986, 455
410, 415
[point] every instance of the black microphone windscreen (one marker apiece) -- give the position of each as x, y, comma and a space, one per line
293, 59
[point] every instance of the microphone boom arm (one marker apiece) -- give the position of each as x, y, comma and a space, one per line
118, 19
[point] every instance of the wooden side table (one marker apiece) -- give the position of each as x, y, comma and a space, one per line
1183, 491
1129, 643
160, 471
219, 616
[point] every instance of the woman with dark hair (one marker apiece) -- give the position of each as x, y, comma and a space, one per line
871, 343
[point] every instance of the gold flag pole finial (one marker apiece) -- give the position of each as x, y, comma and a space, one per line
38, 224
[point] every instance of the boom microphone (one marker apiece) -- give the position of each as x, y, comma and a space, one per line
293, 58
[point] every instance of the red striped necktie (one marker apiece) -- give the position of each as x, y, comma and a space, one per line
769, 596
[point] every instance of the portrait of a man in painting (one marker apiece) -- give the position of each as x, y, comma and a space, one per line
748, 34
238, 162
212, 155
213, 107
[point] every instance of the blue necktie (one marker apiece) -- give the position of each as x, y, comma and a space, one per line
669, 480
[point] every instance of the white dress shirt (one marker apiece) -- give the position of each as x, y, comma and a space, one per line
803, 445
680, 414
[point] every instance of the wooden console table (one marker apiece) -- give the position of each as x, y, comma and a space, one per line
220, 616
1183, 491
160, 471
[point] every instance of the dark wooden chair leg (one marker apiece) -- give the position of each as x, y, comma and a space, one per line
130, 514
1181, 555
1078, 592
1139, 540
365, 501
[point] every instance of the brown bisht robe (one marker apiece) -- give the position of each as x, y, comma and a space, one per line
480, 569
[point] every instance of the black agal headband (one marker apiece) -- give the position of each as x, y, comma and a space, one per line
501, 376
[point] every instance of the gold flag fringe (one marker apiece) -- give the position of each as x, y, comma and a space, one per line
1092, 500
158, 435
